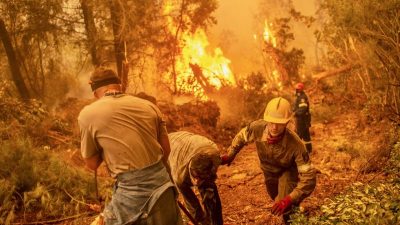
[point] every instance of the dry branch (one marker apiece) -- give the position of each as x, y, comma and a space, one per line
56, 220
334, 72
56, 136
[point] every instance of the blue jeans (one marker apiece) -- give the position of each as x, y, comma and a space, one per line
139, 195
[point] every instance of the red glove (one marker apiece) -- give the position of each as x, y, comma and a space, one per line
282, 206
226, 160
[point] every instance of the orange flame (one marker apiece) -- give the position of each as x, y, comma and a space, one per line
215, 66
269, 40
268, 37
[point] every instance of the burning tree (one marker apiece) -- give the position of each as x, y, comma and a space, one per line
194, 69
282, 65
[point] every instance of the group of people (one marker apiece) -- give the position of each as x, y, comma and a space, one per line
151, 166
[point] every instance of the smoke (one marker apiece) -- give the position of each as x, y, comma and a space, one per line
82, 89
234, 34
231, 104
239, 21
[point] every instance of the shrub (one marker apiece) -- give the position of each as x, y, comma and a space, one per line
376, 203
361, 204
37, 181
17, 117
393, 167
323, 113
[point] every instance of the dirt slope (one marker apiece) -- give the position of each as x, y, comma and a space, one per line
242, 188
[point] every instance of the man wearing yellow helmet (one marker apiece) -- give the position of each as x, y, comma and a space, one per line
289, 176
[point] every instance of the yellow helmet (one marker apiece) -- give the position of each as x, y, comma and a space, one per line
278, 111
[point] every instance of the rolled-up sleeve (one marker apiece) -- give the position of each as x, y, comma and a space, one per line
161, 123
89, 146
247, 134
307, 177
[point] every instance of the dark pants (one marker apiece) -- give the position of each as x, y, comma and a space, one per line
280, 185
302, 129
212, 203
163, 211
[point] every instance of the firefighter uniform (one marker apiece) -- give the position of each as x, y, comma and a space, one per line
286, 164
185, 148
301, 109
289, 176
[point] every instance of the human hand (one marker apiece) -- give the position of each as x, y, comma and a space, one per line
95, 207
226, 159
281, 206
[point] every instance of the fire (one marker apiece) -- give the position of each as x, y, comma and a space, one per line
277, 79
268, 40
195, 50
268, 37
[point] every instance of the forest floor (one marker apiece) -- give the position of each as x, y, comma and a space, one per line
336, 156
242, 188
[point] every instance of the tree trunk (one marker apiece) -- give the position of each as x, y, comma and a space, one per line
176, 43
274, 53
119, 46
91, 31
12, 60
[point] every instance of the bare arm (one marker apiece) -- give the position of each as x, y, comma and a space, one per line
164, 142
93, 162
307, 174
90, 149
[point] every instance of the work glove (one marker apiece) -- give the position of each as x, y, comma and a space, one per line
282, 206
226, 159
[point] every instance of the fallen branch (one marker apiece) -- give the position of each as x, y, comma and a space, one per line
58, 137
251, 178
74, 199
93, 207
334, 72
230, 219
53, 221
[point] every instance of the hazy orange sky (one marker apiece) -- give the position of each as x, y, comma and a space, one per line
237, 25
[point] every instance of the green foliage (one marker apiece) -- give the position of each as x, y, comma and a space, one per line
38, 29
324, 113
282, 30
292, 61
35, 180
364, 33
200, 13
376, 203
18, 117
361, 204
393, 167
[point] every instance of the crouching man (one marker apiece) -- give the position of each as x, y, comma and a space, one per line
289, 176
194, 161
